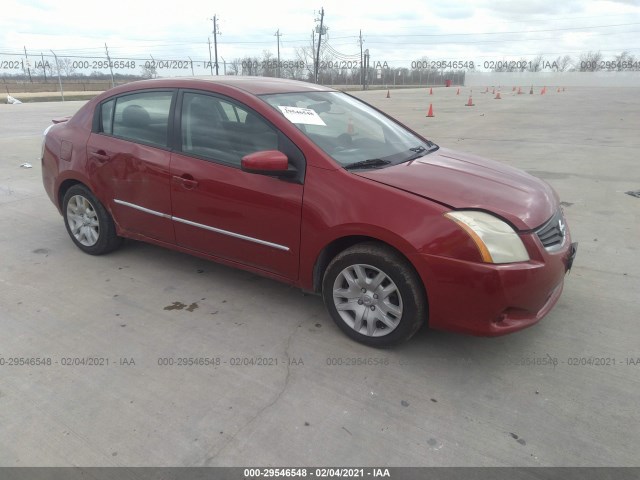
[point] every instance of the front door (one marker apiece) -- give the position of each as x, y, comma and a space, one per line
220, 210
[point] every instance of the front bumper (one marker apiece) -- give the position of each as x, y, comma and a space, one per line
491, 300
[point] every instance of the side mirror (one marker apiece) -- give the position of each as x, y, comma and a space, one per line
267, 162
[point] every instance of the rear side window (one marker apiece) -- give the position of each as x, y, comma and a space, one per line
106, 117
141, 117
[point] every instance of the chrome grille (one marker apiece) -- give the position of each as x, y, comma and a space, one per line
552, 233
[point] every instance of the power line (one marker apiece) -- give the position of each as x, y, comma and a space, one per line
502, 33
481, 42
339, 55
231, 41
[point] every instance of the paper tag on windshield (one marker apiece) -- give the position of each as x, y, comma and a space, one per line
305, 116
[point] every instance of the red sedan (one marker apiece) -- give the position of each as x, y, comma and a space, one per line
313, 187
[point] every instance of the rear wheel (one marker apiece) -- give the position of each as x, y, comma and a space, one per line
88, 223
374, 295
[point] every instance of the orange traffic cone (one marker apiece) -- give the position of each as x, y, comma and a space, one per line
431, 91
469, 103
430, 112
388, 94
498, 97
350, 129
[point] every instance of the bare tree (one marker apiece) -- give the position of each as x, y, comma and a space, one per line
589, 62
421, 64
45, 69
509, 65
307, 55
250, 66
536, 64
65, 65
624, 61
233, 68
520, 65
148, 70
268, 64
293, 69
562, 64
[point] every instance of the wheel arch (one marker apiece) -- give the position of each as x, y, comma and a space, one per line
64, 187
105, 230
338, 245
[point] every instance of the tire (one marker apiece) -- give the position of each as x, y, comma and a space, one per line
393, 294
88, 223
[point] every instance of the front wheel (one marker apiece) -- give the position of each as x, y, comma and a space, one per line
374, 295
89, 224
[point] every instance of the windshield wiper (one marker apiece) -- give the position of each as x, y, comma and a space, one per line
372, 162
420, 151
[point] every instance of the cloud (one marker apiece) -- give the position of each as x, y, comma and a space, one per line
537, 8
394, 32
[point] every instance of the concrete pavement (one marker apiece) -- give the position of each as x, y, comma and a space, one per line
277, 389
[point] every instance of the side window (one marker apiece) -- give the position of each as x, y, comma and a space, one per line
143, 117
106, 117
233, 112
223, 131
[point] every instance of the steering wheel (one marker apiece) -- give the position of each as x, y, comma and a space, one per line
345, 141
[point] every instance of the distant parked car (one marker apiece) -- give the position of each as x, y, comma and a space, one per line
315, 188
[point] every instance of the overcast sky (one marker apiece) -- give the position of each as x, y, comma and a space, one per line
394, 31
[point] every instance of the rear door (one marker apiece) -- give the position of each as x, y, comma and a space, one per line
217, 208
129, 159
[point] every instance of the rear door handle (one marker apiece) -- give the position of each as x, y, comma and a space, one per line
186, 181
100, 155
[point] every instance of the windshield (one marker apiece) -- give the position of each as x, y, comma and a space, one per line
352, 133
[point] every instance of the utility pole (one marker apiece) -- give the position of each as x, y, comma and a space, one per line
58, 69
313, 50
110, 65
210, 60
215, 39
366, 66
44, 68
320, 31
361, 63
28, 66
278, 34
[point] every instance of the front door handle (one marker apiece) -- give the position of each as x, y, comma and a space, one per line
186, 181
100, 155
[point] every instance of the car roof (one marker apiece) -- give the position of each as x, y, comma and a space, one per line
252, 85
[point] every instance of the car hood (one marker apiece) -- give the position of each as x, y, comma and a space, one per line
460, 180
